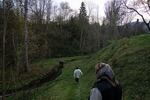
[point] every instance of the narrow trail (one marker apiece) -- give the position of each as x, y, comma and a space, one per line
51, 75
78, 94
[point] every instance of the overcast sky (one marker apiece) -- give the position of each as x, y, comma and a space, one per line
75, 4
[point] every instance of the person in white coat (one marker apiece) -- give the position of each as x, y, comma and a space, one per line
77, 74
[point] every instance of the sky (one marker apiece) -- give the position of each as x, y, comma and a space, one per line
100, 4
75, 4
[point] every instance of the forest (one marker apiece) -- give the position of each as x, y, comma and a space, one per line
35, 30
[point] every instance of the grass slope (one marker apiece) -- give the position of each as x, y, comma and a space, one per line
130, 59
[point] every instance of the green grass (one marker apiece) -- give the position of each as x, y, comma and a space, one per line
38, 70
130, 59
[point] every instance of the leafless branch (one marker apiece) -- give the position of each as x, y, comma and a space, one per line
147, 24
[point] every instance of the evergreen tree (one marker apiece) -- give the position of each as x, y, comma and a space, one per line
83, 12
83, 22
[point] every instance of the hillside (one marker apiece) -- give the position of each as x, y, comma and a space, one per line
130, 59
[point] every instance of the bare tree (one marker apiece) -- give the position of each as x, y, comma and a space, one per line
114, 15
19, 7
91, 7
93, 12
65, 10
38, 9
4, 41
48, 10
144, 7
7, 5
26, 41
49, 5
55, 9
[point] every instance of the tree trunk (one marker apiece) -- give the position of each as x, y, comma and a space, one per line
81, 40
27, 68
4, 46
15, 52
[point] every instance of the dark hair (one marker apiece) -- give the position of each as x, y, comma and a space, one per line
77, 67
100, 66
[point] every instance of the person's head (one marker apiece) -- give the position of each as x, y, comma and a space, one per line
77, 67
104, 69
99, 66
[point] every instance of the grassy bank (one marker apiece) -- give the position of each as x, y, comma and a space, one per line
130, 59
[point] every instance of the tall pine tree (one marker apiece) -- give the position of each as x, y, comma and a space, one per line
83, 20
83, 13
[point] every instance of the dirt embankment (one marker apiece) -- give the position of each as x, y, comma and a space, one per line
51, 75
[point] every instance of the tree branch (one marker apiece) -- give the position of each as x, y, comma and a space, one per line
147, 24
136, 12
148, 3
